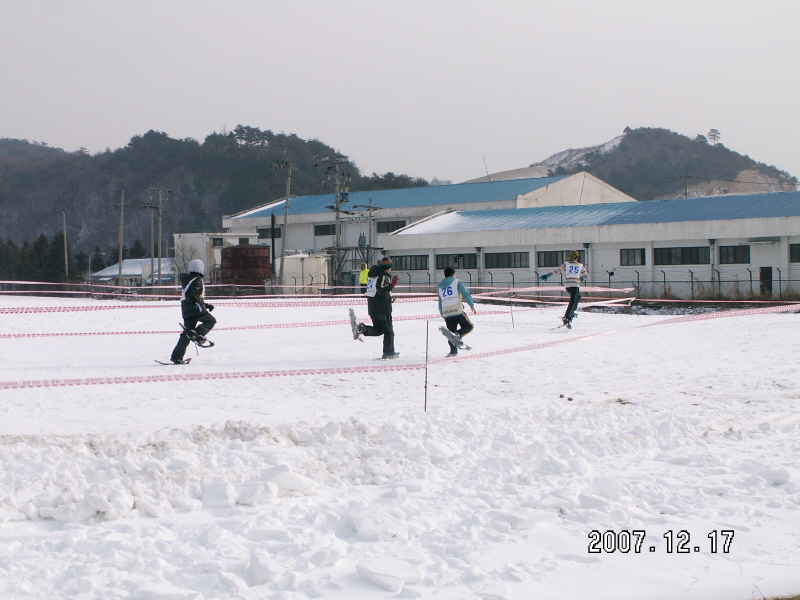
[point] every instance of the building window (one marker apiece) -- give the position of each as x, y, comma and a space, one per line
389, 226
507, 260
631, 257
794, 252
269, 232
216, 242
325, 229
457, 261
556, 258
417, 262
698, 255
244, 241
734, 255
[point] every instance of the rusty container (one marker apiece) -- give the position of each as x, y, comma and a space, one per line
245, 264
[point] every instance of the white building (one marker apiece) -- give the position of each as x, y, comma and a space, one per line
136, 272
506, 233
733, 245
312, 223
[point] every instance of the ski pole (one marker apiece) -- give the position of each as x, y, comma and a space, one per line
427, 333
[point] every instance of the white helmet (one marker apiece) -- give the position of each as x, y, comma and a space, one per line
196, 266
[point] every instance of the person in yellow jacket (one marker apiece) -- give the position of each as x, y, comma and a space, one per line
363, 277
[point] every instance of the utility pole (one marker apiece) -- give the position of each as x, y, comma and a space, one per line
371, 209
686, 183
283, 165
157, 208
121, 227
369, 222
64, 229
272, 242
338, 200
160, 243
152, 207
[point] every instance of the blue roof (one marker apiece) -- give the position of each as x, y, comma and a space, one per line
711, 208
460, 193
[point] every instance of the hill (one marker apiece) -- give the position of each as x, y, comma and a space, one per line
16, 150
233, 171
225, 174
653, 163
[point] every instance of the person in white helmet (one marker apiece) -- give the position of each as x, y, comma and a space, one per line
194, 310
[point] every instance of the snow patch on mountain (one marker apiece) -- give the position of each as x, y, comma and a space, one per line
574, 157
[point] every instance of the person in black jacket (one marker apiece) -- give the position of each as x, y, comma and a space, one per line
379, 304
194, 310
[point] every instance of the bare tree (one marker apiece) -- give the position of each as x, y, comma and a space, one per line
183, 254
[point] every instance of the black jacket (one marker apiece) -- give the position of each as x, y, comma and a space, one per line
192, 303
381, 302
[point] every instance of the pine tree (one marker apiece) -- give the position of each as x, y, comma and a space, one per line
97, 262
138, 250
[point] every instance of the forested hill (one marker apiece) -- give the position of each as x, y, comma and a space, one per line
650, 163
225, 174
233, 171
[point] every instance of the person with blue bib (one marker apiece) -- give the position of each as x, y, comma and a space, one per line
452, 296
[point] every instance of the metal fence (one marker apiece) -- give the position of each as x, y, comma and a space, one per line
492, 283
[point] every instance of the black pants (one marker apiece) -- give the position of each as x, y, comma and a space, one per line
574, 296
207, 323
381, 325
453, 324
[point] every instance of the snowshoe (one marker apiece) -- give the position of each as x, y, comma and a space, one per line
390, 356
203, 342
196, 337
454, 339
355, 326
173, 361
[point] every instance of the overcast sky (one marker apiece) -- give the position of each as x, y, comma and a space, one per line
427, 88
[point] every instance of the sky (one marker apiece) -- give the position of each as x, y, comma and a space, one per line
440, 89
317, 472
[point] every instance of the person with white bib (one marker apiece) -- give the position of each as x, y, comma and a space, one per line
379, 305
452, 296
574, 273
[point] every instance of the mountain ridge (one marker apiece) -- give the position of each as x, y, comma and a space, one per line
656, 155
233, 171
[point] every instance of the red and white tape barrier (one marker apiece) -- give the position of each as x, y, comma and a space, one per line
40, 383
345, 301
241, 327
46, 383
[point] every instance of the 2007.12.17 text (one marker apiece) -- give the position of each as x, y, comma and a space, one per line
625, 541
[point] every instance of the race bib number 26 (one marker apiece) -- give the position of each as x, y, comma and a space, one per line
448, 295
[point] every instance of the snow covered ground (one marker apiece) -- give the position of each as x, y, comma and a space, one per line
251, 474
